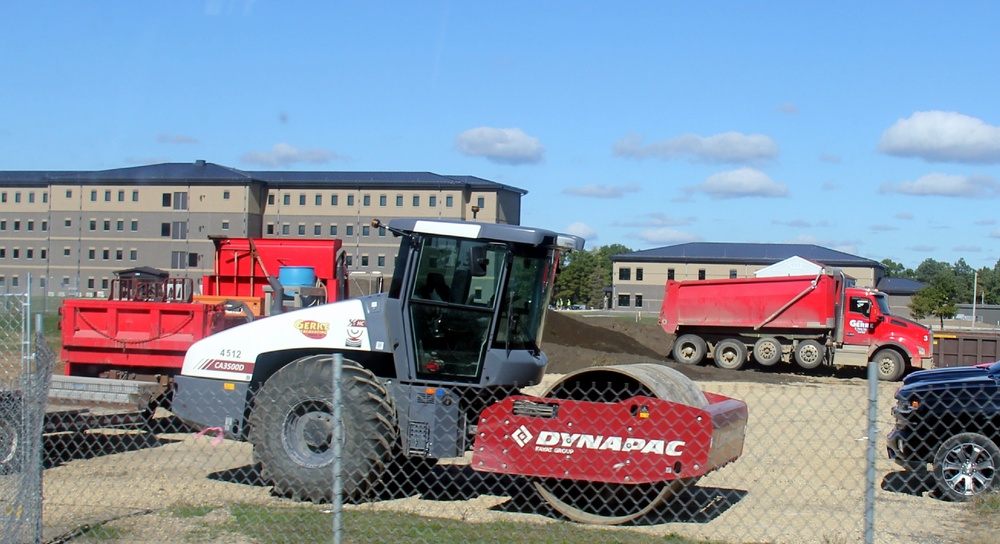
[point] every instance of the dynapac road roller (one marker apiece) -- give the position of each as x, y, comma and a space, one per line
433, 369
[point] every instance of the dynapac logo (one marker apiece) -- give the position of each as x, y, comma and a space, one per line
561, 442
312, 329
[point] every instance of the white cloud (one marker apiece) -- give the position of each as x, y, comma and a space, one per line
942, 136
666, 236
967, 249
742, 182
936, 184
582, 230
788, 108
800, 223
501, 145
995, 234
728, 147
602, 191
883, 228
904, 215
175, 139
986, 222
922, 248
283, 154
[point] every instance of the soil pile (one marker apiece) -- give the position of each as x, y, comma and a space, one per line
572, 341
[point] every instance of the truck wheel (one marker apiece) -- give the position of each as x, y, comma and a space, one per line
890, 365
689, 349
809, 354
292, 430
730, 354
965, 466
767, 351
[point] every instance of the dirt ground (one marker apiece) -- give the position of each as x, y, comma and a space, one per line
801, 477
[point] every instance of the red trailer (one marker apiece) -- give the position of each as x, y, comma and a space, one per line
812, 319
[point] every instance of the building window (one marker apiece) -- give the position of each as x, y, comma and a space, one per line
93, 196
302, 229
3, 197
167, 200
270, 228
135, 196
180, 201
45, 198
624, 301
107, 195
317, 230
366, 200
670, 273
43, 253
448, 201
399, 200
638, 274
177, 259
381, 231
333, 200
133, 254
225, 195
69, 193
107, 225
15, 253
302, 200
624, 274
134, 225
31, 225
285, 229
638, 301
31, 197
350, 202
364, 260
333, 230
3, 225
105, 254
121, 196
104, 283
66, 252
349, 260
91, 254
365, 230
68, 223
178, 230
270, 200
481, 202
17, 224
29, 253
93, 224
701, 273
350, 230
192, 260
90, 283
3, 253
225, 225
287, 200
164, 229
382, 200
319, 200
381, 260
17, 198
416, 201
732, 273
119, 254
432, 201
45, 225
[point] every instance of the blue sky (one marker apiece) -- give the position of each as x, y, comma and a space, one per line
872, 128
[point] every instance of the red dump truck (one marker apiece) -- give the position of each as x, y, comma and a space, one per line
811, 320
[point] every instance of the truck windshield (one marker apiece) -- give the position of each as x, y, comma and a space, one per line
883, 304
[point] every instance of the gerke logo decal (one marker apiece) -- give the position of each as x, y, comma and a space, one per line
312, 329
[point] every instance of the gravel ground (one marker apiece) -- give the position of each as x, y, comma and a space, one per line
800, 479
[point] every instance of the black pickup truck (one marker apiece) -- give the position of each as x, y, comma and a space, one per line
949, 418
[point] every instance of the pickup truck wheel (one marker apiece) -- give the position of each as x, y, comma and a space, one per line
809, 354
730, 354
293, 427
890, 365
689, 349
965, 466
767, 351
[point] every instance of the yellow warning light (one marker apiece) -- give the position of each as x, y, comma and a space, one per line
229, 386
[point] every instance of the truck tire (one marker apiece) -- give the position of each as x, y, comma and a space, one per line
292, 430
689, 349
767, 351
730, 354
965, 466
809, 354
890, 364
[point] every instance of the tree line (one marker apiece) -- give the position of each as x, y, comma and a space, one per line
584, 275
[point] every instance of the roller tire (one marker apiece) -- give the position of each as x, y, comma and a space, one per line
730, 354
809, 354
11, 444
767, 351
689, 349
292, 430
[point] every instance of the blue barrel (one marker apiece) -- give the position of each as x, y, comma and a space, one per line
297, 276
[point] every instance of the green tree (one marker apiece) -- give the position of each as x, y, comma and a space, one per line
585, 274
937, 299
896, 270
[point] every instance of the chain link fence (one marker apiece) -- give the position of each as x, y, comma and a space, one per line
627, 455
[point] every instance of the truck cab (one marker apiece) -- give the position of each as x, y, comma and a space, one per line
869, 331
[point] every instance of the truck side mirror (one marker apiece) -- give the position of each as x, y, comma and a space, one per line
478, 261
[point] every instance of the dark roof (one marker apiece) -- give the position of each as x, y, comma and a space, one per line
899, 286
730, 252
207, 172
